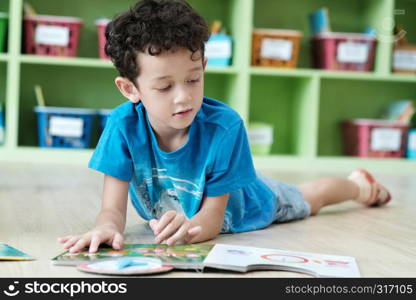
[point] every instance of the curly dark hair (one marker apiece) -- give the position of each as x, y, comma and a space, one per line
153, 26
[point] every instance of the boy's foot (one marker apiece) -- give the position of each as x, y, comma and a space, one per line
371, 192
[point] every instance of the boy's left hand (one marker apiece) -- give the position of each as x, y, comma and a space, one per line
173, 228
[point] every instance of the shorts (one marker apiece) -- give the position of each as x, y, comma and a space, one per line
291, 205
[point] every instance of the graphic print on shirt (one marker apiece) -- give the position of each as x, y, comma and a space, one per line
161, 192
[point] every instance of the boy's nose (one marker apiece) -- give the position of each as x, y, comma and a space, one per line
183, 96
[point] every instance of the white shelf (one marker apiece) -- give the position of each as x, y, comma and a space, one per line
335, 163
273, 162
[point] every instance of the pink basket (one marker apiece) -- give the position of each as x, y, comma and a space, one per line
101, 26
343, 51
51, 35
374, 138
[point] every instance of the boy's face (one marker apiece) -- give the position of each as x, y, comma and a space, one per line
170, 86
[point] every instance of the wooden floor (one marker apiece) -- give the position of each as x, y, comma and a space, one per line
38, 203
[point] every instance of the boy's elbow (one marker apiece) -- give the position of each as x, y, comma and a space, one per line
215, 234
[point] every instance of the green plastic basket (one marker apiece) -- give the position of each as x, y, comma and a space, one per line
4, 20
260, 137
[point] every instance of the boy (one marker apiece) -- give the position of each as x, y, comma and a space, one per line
185, 158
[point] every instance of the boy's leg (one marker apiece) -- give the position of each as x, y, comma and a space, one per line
359, 186
327, 191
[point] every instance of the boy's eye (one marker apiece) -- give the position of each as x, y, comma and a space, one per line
194, 80
164, 89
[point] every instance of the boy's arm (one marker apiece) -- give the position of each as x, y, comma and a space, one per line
114, 203
110, 222
210, 217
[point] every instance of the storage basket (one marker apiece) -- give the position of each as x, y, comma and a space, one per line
275, 48
343, 51
218, 50
374, 138
4, 20
101, 26
260, 136
103, 116
411, 144
51, 35
404, 59
64, 127
1, 124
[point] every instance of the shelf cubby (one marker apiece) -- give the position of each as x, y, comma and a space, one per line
404, 11
217, 86
4, 6
3, 72
92, 89
354, 99
286, 103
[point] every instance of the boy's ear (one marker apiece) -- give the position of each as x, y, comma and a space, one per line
204, 64
128, 89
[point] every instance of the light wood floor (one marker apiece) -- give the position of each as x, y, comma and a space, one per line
38, 203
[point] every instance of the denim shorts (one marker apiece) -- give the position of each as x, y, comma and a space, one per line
291, 205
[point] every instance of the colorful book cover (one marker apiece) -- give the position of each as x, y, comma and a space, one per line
7, 252
401, 110
319, 21
179, 256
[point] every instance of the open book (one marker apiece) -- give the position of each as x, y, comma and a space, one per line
226, 257
7, 252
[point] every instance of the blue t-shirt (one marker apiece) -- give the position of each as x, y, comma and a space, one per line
215, 160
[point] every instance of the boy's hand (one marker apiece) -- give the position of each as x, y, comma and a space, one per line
173, 228
93, 238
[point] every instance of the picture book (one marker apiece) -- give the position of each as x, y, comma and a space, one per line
220, 256
7, 252
401, 110
178, 256
244, 259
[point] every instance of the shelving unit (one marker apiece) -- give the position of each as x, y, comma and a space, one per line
304, 105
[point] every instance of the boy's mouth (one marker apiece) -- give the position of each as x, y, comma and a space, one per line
183, 113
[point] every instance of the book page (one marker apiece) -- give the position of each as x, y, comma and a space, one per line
240, 258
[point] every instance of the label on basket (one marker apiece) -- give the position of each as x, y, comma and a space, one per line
386, 139
411, 144
260, 136
276, 49
64, 126
404, 60
52, 35
350, 52
218, 49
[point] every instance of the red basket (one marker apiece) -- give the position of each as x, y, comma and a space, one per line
343, 51
51, 35
101, 26
374, 138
